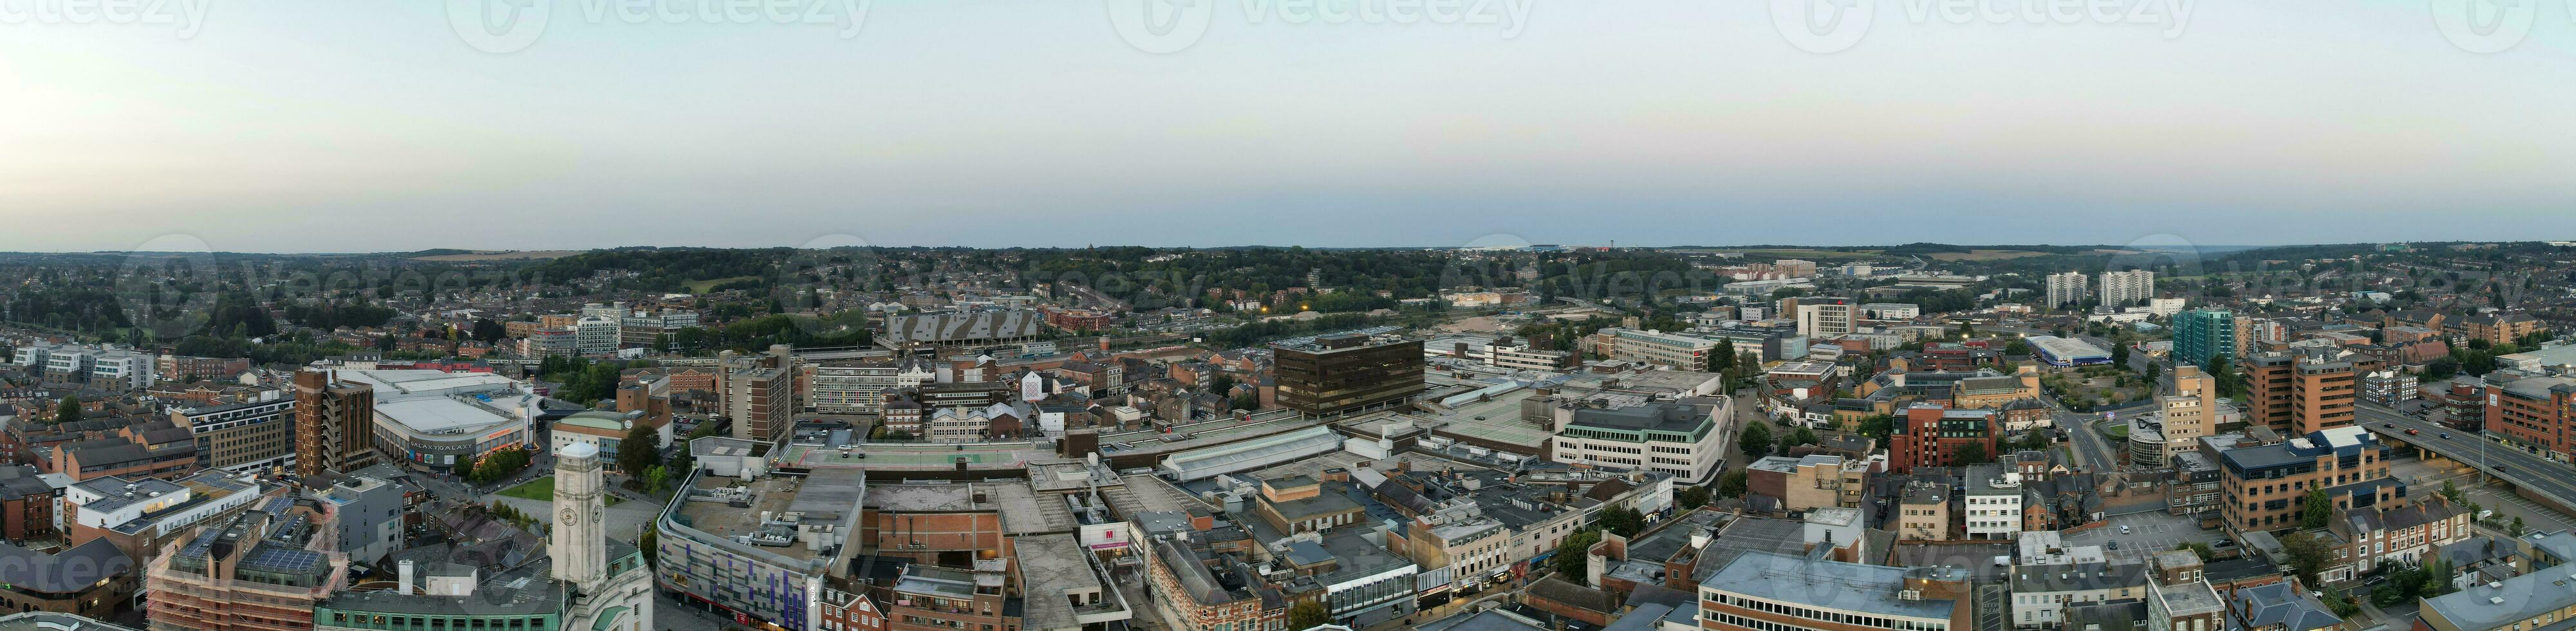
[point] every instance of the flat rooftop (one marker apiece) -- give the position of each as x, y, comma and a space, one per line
1146, 493
769, 494
1021, 510
914, 457
1828, 585
1057, 564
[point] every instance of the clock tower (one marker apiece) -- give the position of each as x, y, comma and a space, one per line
580, 543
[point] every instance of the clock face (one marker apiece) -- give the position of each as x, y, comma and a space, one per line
569, 515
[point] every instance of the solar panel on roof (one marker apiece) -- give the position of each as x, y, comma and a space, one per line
276, 558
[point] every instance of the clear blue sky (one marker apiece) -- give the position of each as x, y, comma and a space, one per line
355, 126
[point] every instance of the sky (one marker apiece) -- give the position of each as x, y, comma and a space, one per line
314, 126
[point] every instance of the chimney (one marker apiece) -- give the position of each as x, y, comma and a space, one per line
404, 574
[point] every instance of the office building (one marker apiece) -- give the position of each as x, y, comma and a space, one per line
1682, 352
1992, 504
185, 368
1676, 438
1929, 435
1770, 591
335, 423
2204, 335
139, 515
254, 435
2120, 289
1340, 374
367, 517
595, 335
2267, 487
1809, 482
261, 570
856, 387
2390, 387
2303, 390
1822, 317
2533, 413
758, 393
2186, 409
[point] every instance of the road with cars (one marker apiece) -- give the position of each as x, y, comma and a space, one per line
2552, 480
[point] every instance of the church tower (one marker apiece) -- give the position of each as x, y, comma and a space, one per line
580, 543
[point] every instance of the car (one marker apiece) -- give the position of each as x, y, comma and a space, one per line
2411, 431
2387, 424
2502, 469
2124, 529
2114, 544
2446, 435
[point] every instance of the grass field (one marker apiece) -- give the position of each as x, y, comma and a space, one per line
543, 490
506, 255
702, 286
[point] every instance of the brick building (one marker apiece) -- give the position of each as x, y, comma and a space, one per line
1930, 435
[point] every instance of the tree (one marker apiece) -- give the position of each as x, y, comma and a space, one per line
2308, 554
2451, 491
1308, 614
1878, 426
2516, 527
1756, 441
2339, 603
1570, 553
2198, 548
1972, 453
69, 411
2222, 371
2119, 354
1624, 521
1802, 437
656, 478
2437, 576
1731, 485
640, 450
2318, 511
488, 331
1693, 497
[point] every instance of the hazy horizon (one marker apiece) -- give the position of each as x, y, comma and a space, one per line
267, 127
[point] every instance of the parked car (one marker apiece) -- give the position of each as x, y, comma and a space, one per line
2114, 544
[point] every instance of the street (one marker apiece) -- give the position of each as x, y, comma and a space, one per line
2513, 465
